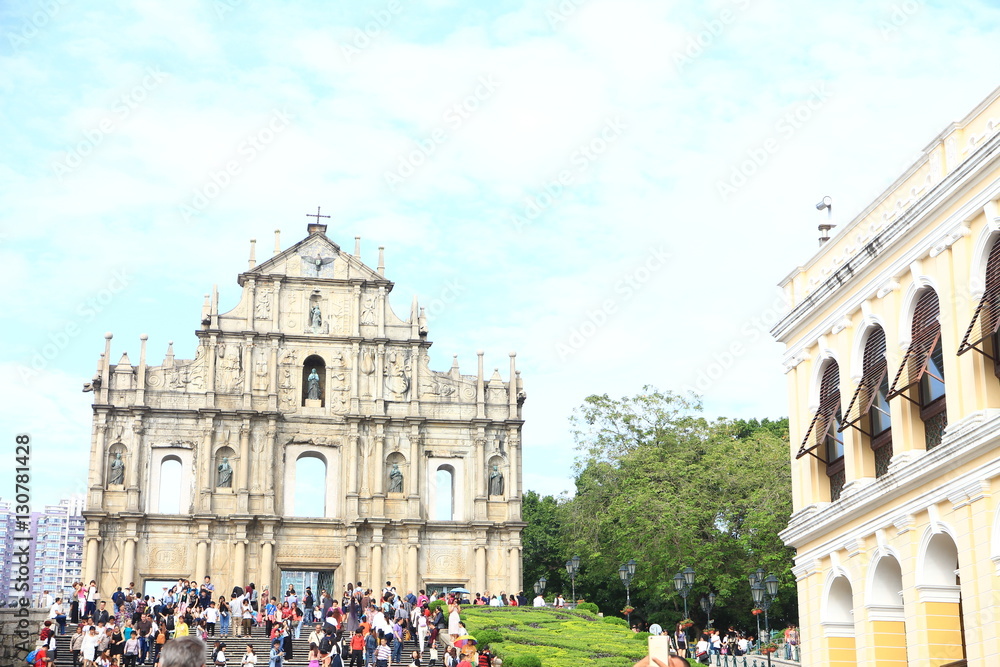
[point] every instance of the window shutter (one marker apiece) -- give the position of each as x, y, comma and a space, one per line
874, 368
829, 401
986, 319
925, 333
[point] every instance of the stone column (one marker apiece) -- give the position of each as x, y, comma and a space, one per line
267, 461
375, 568
240, 563
513, 454
355, 362
210, 380
356, 310
412, 580
415, 379
266, 563
132, 485
243, 472
203, 478
128, 569
514, 567
93, 558
377, 465
350, 563
201, 561
98, 455
379, 378
380, 312
481, 567
276, 307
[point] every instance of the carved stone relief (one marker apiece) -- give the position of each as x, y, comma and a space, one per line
262, 310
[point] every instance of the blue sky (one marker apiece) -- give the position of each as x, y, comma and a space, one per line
564, 179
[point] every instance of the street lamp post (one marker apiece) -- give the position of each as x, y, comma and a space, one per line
707, 603
572, 567
626, 572
684, 582
540, 586
764, 589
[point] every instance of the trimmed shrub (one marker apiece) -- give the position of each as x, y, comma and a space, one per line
438, 604
488, 637
589, 606
616, 620
640, 635
526, 661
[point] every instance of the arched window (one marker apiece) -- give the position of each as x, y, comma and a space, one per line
869, 408
444, 493
922, 370
309, 499
938, 577
885, 608
983, 334
824, 432
170, 485
314, 380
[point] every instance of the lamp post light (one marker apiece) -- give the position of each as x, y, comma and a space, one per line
572, 567
707, 603
684, 582
626, 572
540, 586
764, 589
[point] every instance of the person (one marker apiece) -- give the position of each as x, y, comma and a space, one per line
220, 655
382, 654
224, 616
314, 657
249, 658
414, 659
454, 619
357, 649
680, 641
58, 614
277, 655
701, 650
102, 615
92, 597
76, 645
211, 618
183, 652
539, 600
132, 650
791, 640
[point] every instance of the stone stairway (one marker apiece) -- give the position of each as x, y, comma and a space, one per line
236, 647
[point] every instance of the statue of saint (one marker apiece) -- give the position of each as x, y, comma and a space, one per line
117, 475
313, 385
496, 482
225, 474
395, 479
315, 317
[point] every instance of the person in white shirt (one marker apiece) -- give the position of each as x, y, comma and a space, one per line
495, 601
58, 614
47, 600
211, 618
701, 650
236, 611
539, 601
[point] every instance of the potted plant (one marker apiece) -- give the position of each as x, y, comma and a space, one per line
687, 623
770, 647
628, 609
756, 611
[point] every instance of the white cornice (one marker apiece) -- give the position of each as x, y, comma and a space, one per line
881, 283
960, 446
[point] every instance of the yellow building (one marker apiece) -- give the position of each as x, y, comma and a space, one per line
893, 365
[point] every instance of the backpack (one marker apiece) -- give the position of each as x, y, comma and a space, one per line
30, 659
326, 645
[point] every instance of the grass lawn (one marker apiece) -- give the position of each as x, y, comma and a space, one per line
559, 638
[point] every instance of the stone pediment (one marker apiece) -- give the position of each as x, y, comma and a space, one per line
316, 256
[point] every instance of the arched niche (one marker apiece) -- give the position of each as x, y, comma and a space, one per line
225, 457
117, 463
496, 476
314, 375
394, 483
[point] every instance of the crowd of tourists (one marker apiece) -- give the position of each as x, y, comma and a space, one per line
711, 642
361, 627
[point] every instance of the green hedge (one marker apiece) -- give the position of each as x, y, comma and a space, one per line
616, 620
488, 637
640, 635
526, 661
589, 606
438, 604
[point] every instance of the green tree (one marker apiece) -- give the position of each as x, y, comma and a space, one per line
543, 543
657, 482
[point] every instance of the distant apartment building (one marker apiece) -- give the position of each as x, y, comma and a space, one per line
54, 555
58, 547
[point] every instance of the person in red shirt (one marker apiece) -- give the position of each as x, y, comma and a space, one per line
358, 649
